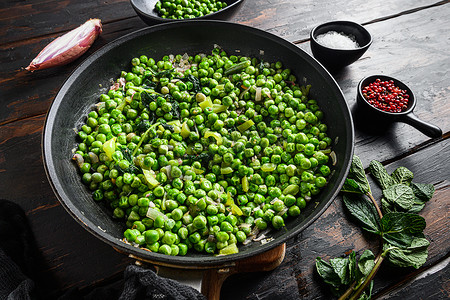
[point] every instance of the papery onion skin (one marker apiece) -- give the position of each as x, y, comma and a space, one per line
67, 47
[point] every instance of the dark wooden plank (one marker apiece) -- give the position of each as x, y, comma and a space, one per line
431, 284
30, 19
73, 257
24, 94
333, 235
43, 85
293, 20
409, 48
21, 20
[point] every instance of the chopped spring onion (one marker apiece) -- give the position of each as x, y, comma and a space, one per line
215, 135
218, 108
153, 214
333, 157
185, 131
268, 167
291, 189
246, 125
110, 147
258, 94
245, 185
230, 249
206, 103
151, 178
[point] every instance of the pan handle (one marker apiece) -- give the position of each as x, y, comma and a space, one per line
424, 127
209, 280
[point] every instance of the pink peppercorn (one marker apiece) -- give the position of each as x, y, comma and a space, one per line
385, 96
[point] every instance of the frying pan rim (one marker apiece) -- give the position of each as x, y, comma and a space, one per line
185, 261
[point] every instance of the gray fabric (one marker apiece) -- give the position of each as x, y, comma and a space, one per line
13, 284
142, 283
18, 264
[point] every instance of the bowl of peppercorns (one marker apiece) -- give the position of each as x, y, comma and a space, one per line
386, 99
166, 11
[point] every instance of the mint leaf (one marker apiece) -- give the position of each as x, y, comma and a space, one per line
381, 175
340, 266
414, 256
400, 195
351, 186
366, 262
364, 211
327, 273
402, 175
418, 205
400, 229
423, 191
357, 174
421, 194
386, 206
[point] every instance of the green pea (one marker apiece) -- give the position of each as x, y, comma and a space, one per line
261, 224
226, 226
199, 222
277, 222
222, 236
165, 249
151, 236
159, 222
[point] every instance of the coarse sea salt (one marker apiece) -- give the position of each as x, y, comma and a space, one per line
337, 40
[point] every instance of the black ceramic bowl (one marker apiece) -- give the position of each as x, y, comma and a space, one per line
332, 58
376, 115
146, 11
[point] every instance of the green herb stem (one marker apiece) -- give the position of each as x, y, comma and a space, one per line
143, 137
141, 89
348, 292
380, 214
369, 278
378, 260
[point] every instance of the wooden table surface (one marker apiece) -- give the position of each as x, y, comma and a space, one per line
411, 42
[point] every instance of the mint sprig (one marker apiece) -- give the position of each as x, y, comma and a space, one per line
400, 228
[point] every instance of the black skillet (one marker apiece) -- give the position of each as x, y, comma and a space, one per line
81, 90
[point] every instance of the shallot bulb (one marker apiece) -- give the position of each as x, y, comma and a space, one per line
67, 47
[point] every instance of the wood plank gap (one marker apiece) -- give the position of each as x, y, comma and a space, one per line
406, 12
414, 150
416, 275
22, 119
58, 33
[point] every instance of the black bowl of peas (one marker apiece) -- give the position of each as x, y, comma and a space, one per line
198, 144
165, 11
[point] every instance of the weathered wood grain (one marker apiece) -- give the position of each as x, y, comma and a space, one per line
289, 18
406, 48
27, 27
73, 257
334, 235
24, 94
431, 284
49, 20
24, 20
293, 20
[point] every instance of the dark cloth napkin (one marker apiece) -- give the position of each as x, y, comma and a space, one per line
19, 265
